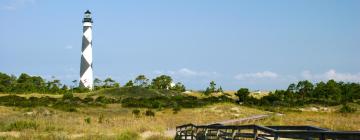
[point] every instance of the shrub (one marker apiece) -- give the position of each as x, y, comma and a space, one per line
347, 109
101, 118
136, 112
68, 107
128, 135
68, 96
87, 120
176, 109
88, 100
20, 125
149, 113
158, 137
104, 100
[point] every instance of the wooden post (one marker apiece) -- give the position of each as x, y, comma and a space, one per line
255, 133
276, 137
322, 137
192, 135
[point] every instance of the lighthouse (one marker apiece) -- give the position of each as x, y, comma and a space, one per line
86, 70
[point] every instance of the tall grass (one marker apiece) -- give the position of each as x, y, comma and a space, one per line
110, 121
128, 135
330, 120
21, 125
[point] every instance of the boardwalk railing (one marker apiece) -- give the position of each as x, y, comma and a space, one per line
256, 132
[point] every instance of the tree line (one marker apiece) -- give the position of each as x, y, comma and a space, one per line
162, 82
305, 92
36, 84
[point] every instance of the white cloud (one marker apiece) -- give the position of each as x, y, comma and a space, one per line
331, 74
15, 4
257, 75
69, 47
185, 72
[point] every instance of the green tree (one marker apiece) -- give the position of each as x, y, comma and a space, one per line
220, 90
141, 81
242, 94
108, 83
179, 87
162, 82
211, 88
291, 88
64, 88
320, 91
98, 84
6, 82
334, 90
53, 86
129, 84
116, 85
27, 83
305, 88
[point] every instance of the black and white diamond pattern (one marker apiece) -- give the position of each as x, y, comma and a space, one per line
86, 72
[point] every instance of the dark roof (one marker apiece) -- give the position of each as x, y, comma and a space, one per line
87, 12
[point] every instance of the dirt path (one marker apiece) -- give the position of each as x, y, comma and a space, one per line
251, 118
172, 132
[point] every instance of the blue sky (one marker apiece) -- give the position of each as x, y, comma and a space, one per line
258, 44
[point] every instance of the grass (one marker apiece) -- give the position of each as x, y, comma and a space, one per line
21, 125
128, 135
111, 121
228, 93
133, 92
333, 119
38, 95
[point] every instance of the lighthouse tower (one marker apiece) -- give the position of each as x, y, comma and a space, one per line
86, 71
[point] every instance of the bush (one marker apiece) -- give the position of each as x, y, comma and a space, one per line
128, 135
158, 137
20, 125
149, 113
88, 100
104, 100
347, 109
101, 118
68, 96
65, 106
176, 109
87, 120
136, 112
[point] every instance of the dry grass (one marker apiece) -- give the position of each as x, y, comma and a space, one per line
201, 95
330, 120
109, 122
34, 95
228, 93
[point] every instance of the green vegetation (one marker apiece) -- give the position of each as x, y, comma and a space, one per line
330, 93
136, 112
20, 125
128, 135
116, 121
150, 113
33, 84
87, 120
347, 109
212, 88
144, 108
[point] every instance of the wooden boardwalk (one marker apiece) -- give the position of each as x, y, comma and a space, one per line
172, 132
256, 132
